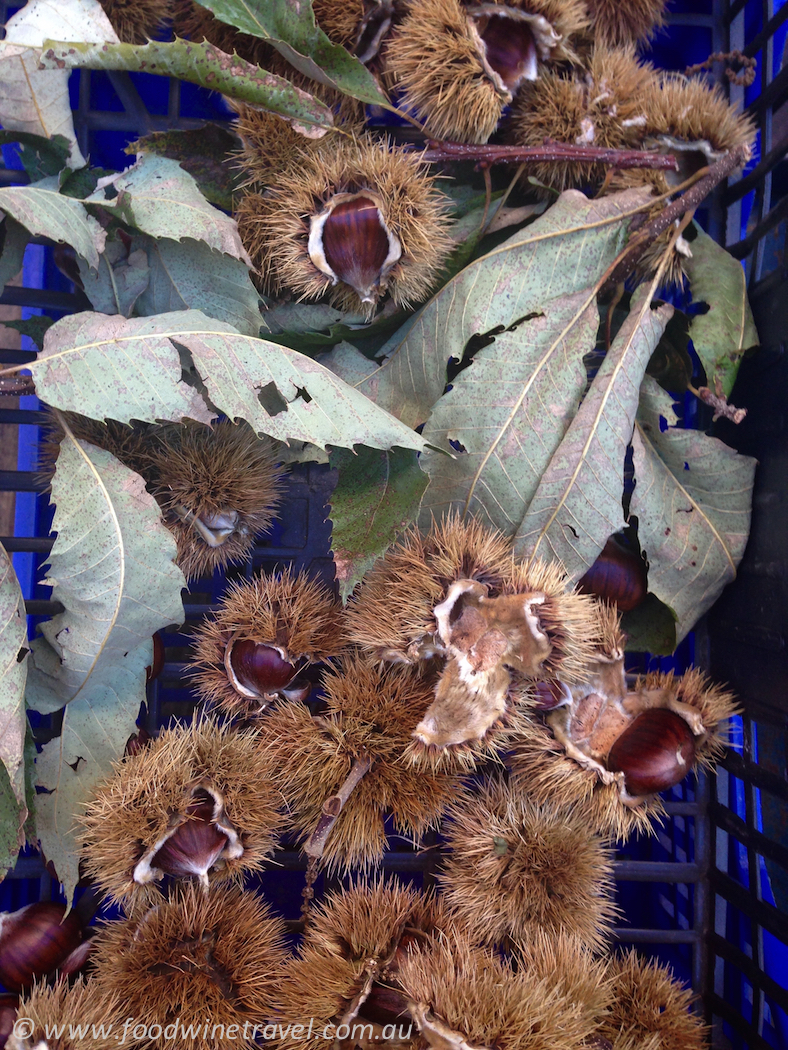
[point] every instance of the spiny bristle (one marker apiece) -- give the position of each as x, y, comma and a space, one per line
339, 19
137, 21
601, 104
133, 810
48, 1007
370, 713
579, 975
648, 1002
275, 226
290, 610
620, 22
215, 957
542, 770
478, 997
517, 868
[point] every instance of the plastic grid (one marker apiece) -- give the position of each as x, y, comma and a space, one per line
698, 895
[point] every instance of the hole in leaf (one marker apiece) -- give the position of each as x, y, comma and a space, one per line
271, 400
571, 529
303, 393
473, 346
457, 446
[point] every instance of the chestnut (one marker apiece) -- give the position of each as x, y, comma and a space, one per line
34, 941
618, 575
655, 751
257, 669
8, 1008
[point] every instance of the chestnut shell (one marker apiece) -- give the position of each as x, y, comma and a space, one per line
655, 751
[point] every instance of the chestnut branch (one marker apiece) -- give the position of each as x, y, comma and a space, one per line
560, 152
687, 202
719, 402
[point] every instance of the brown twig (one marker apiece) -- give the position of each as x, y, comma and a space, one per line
688, 201
743, 75
719, 402
560, 152
15, 386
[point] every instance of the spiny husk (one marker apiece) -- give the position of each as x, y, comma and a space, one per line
601, 104
541, 768
212, 959
354, 938
694, 111
275, 225
369, 712
207, 469
339, 19
391, 616
133, 810
290, 610
517, 868
50, 1006
622, 22
485, 1003
649, 1004
137, 21
200, 468
433, 60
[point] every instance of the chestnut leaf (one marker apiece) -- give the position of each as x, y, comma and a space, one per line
721, 335
44, 211
290, 27
578, 503
37, 100
198, 63
692, 499
13, 671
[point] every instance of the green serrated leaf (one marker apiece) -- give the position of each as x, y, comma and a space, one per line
157, 197
201, 64
578, 503
13, 671
45, 212
95, 730
562, 252
39, 156
277, 390
204, 153
722, 335
122, 276
650, 628
82, 182
692, 500
112, 567
508, 412
34, 327
289, 25
376, 497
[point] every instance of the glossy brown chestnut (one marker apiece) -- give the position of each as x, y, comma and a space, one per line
356, 244
74, 963
195, 845
8, 1007
137, 742
256, 669
654, 752
34, 941
550, 695
618, 575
